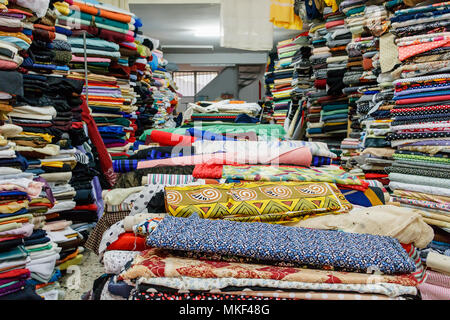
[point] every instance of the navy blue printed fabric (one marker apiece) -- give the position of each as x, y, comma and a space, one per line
266, 242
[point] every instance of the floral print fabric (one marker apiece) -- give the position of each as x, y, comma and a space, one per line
154, 263
305, 247
329, 174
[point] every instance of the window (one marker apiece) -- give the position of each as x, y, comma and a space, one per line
190, 83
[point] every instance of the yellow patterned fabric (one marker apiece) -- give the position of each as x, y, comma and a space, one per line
256, 201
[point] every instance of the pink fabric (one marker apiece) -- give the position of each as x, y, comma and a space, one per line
57, 225
26, 230
184, 161
436, 287
8, 65
34, 188
89, 59
410, 51
300, 156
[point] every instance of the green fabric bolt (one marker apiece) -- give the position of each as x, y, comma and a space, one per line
95, 19
270, 130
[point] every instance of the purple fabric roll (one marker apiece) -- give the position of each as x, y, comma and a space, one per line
98, 196
12, 288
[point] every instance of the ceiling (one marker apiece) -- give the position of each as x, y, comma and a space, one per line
175, 24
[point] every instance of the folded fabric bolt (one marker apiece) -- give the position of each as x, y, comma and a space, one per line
350, 251
426, 181
266, 131
169, 179
206, 135
258, 151
162, 153
299, 155
255, 201
170, 139
436, 287
288, 173
208, 284
177, 267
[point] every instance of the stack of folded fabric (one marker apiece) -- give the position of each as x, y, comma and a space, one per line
419, 176
334, 111
118, 203
19, 228
116, 247
224, 110
164, 92
282, 76
269, 84
319, 54
41, 124
234, 130
48, 131
144, 101
17, 188
181, 251
370, 101
128, 90
314, 127
436, 257
354, 12
351, 148
111, 54
301, 83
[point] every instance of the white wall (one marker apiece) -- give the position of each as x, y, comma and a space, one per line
251, 92
225, 82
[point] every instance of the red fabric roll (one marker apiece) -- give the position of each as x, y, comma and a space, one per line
367, 64
166, 139
14, 273
320, 83
423, 99
375, 175
89, 207
208, 171
128, 241
94, 135
333, 24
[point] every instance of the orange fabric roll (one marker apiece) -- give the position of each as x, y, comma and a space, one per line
101, 12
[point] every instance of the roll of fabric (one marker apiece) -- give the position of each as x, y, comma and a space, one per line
171, 139
438, 262
296, 156
256, 201
262, 241
206, 135
436, 287
169, 179
91, 9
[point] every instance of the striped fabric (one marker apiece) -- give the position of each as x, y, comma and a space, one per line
436, 287
420, 274
117, 208
169, 179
